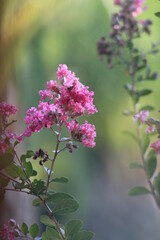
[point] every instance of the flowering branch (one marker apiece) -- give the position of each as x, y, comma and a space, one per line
125, 29
62, 102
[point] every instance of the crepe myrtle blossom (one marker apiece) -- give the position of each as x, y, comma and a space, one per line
138, 7
6, 233
156, 146
63, 100
7, 109
150, 129
84, 133
142, 116
117, 2
7, 136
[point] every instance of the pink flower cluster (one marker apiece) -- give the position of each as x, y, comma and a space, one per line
7, 109
156, 146
117, 2
62, 101
84, 133
142, 116
138, 7
6, 233
7, 136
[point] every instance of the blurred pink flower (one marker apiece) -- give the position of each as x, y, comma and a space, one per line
142, 116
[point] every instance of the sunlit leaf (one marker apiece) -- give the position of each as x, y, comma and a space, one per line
147, 107
137, 191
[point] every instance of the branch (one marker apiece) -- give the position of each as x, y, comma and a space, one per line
8, 177
52, 217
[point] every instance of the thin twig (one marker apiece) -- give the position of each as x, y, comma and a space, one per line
23, 169
15, 190
54, 158
139, 134
9, 177
52, 217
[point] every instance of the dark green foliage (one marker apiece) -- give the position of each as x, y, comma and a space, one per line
60, 180
38, 187
145, 143
24, 228
34, 230
157, 184
151, 163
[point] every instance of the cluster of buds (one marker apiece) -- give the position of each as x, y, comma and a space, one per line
71, 146
41, 154
125, 27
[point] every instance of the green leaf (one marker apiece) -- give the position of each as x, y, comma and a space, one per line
147, 107
72, 227
28, 168
137, 191
135, 165
36, 202
60, 180
144, 92
44, 236
21, 174
157, 14
152, 77
127, 113
29, 154
24, 228
157, 184
34, 173
38, 187
52, 234
83, 235
151, 163
34, 230
47, 221
141, 67
54, 197
145, 143
63, 203
65, 206
12, 170
130, 134
5, 160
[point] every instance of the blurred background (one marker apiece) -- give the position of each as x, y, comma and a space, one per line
35, 37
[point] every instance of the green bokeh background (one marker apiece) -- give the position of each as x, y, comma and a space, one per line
39, 35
